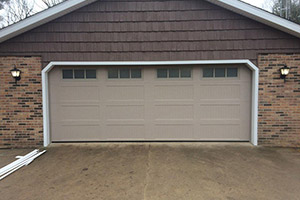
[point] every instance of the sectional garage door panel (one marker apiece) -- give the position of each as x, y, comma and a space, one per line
150, 108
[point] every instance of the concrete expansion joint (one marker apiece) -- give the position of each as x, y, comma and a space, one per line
147, 172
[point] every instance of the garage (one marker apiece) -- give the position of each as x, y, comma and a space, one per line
150, 103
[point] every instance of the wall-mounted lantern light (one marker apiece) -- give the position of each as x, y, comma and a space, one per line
16, 74
284, 71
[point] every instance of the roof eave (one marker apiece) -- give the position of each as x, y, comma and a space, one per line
259, 15
42, 18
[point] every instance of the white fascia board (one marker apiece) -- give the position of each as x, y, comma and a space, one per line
259, 15
42, 18
187, 62
248, 63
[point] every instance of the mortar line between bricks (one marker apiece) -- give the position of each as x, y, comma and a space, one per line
147, 172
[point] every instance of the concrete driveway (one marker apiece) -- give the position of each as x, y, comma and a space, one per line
155, 171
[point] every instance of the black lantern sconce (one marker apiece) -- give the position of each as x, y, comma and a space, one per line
16, 74
284, 71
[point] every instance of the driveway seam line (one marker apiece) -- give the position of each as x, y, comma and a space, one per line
147, 172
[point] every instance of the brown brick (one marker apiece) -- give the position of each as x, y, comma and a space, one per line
19, 102
279, 102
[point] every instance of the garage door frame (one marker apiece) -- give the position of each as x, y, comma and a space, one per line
248, 63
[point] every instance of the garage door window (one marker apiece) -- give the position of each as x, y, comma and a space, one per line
174, 73
162, 73
185, 73
220, 72
124, 73
113, 73
79, 73
208, 72
136, 73
90, 73
232, 72
67, 73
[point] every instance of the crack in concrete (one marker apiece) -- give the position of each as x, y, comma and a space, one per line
147, 172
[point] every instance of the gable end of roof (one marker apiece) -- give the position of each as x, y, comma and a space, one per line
259, 15
42, 18
68, 6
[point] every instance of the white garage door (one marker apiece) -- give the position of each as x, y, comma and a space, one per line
150, 103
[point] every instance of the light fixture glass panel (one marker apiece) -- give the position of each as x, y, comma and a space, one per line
15, 73
285, 71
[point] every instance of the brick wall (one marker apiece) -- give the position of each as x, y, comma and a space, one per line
21, 104
279, 102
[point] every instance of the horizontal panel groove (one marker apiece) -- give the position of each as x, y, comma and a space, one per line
75, 83
173, 124
165, 104
184, 120
88, 122
79, 124
220, 122
75, 102
81, 104
173, 82
227, 101
124, 124
113, 85
121, 104
220, 104
173, 100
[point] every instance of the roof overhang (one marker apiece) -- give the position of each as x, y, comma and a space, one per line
42, 18
71, 5
259, 15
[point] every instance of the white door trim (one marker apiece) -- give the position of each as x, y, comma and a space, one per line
248, 63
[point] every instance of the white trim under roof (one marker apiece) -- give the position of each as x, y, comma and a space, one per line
248, 63
71, 5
